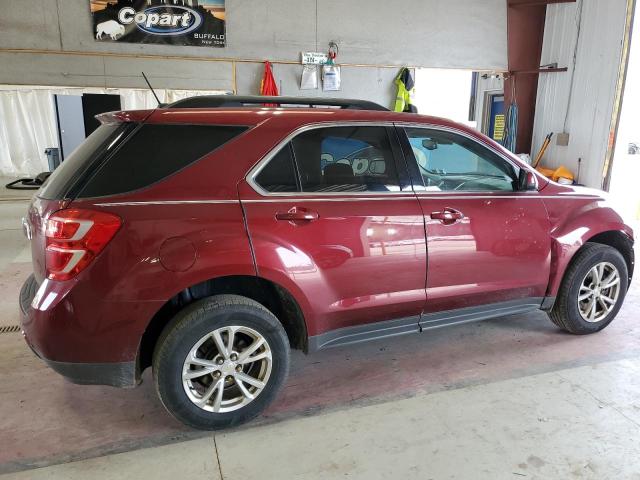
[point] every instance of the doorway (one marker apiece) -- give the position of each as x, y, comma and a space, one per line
625, 173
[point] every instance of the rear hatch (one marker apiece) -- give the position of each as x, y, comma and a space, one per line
62, 186
120, 157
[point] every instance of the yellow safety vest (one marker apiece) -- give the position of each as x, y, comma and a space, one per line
403, 97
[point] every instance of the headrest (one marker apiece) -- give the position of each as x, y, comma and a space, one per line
338, 174
421, 157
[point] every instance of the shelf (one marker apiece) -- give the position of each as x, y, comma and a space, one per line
538, 70
536, 3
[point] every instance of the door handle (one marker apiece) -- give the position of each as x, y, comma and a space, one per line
447, 216
297, 214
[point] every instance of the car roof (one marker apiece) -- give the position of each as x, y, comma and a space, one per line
251, 110
251, 116
217, 101
292, 118
332, 111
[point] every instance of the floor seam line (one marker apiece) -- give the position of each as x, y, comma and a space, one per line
215, 446
601, 402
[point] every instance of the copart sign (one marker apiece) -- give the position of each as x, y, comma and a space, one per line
198, 23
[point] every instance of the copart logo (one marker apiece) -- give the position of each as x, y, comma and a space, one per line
172, 20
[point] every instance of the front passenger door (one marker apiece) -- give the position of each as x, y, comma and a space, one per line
488, 244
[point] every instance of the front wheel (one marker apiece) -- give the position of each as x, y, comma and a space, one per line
220, 362
592, 290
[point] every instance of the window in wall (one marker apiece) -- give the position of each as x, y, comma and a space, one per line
448, 161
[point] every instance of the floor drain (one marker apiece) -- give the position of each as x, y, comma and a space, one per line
10, 329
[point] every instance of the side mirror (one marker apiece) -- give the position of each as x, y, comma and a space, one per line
527, 180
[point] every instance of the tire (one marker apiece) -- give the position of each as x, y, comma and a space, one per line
249, 321
566, 313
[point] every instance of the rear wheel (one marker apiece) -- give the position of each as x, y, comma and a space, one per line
220, 362
592, 290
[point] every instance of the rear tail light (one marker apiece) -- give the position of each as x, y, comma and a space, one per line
74, 238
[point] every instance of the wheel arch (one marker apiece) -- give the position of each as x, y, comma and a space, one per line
564, 252
621, 242
277, 299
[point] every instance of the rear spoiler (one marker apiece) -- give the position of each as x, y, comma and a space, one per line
110, 118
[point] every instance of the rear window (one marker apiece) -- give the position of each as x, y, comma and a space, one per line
153, 153
103, 139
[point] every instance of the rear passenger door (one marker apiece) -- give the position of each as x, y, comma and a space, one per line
333, 218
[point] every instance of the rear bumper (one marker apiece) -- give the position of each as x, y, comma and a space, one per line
117, 374
113, 374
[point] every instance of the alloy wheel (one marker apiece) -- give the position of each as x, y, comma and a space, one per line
599, 292
227, 369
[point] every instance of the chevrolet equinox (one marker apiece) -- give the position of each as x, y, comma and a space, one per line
207, 238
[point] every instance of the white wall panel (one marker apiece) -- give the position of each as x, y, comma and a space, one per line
581, 100
468, 34
443, 93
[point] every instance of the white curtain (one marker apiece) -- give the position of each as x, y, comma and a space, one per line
28, 125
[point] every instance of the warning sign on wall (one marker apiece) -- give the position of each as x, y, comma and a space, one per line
498, 128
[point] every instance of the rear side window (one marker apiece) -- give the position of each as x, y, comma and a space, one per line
346, 159
103, 139
333, 159
279, 175
155, 152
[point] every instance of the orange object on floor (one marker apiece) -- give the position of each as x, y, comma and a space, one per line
557, 174
562, 172
547, 172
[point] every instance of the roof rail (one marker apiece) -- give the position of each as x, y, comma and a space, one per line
221, 101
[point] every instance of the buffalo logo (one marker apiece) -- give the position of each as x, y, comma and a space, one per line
111, 28
174, 20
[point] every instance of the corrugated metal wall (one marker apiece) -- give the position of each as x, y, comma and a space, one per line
581, 100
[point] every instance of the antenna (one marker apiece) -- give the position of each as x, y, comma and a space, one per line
152, 90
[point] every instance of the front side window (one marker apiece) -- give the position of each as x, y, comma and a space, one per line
448, 161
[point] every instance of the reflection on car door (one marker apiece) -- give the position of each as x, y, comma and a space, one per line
488, 244
350, 241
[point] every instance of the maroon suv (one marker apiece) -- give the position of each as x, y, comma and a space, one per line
208, 237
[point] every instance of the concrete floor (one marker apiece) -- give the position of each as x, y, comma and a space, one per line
507, 398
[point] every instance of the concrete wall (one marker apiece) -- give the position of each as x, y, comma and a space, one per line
580, 101
431, 33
